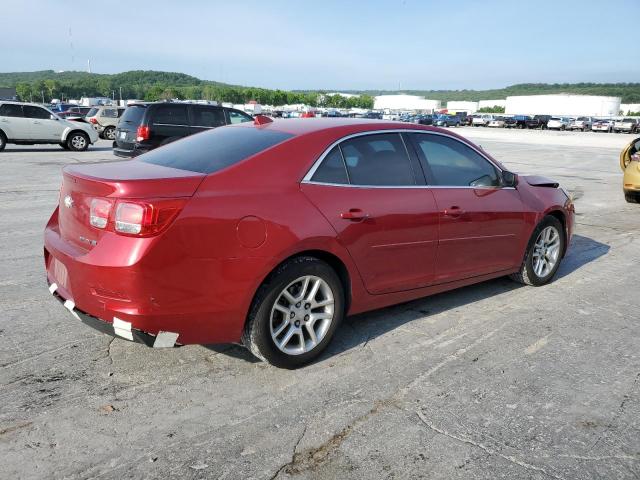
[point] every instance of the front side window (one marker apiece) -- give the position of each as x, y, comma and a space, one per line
454, 164
379, 159
36, 112
236, 116
170, 115
10, 110
332, 169
109, 113
208, 117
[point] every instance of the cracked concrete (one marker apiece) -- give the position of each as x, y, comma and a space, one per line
487, 382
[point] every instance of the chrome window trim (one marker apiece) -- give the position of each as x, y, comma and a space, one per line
318, 162
171, 124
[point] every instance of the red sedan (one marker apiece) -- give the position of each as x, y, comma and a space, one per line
270, 233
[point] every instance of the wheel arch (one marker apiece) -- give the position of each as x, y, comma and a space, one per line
560, 215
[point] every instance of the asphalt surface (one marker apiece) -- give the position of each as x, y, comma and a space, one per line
491, 381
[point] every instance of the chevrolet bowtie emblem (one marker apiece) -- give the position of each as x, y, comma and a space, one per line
68, 201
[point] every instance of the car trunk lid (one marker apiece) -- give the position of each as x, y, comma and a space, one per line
114, 181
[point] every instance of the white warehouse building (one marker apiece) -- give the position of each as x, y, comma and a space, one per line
405, 102
462, 106
563, 104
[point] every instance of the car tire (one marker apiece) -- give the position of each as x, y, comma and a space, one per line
64, 145
109, 133
544, 253
276, 330
631, 198
3, 141
77, 141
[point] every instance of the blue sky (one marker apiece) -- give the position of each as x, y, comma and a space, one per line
411, 44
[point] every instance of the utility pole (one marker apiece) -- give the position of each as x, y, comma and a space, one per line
121, 96
42, 92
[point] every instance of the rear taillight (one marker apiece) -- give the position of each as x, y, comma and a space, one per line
99, 212
143, 133
93, 120
137, 218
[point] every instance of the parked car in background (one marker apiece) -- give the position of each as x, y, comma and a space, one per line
197, 242
625, 125
558, 123
581, 123
61, 107
602, 125
538, 121
30, 124
145, 126
75, 114
444, 120
104, 120
497, 122
517, 121
424, 119
482, 120
630, 164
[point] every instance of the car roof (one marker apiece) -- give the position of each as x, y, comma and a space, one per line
302, 126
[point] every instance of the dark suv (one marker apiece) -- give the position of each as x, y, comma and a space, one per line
145, 126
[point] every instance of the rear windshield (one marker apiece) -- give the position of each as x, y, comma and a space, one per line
215, 149
133, 115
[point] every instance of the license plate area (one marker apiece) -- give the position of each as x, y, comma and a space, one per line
123, 135
60, 273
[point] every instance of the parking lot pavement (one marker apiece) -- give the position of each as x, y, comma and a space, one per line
490, 381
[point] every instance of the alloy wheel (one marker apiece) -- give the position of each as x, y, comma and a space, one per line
78, 142
546, 251
302, 315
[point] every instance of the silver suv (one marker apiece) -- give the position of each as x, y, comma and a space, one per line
104, 120
30, 123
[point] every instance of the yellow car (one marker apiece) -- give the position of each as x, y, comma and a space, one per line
630, 164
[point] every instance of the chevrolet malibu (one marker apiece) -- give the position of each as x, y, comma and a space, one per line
269, 233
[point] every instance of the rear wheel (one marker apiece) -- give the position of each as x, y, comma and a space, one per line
109, 133
3, 141
295, 313
544, 253
78, 141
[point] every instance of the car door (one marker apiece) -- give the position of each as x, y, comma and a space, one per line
13, 123
43, 125
205, 117
169, 122
371, 189
481, 222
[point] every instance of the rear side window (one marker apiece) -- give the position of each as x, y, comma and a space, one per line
10, 110
170, 115
215, 149
379, 160
131, 115
332, 169
109, 113
92, 112
36, 112
454, 164
208, 117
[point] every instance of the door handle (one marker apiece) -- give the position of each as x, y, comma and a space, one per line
36, 122
453, 212
354, 214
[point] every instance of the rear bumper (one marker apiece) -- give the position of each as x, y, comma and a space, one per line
124, 330
125, 153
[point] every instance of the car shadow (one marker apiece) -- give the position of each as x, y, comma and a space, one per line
358, 330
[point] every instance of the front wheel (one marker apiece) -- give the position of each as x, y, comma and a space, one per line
78, 141
295, 313
544, 253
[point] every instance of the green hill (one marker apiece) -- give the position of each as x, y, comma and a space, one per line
154, 85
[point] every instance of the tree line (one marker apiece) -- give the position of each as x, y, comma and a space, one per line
153, 86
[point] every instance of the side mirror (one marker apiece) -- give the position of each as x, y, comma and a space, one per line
509, 179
